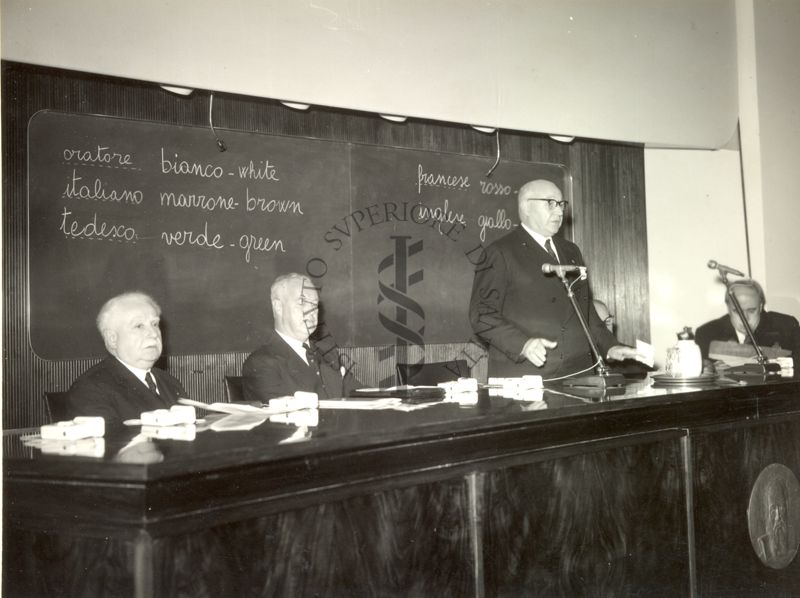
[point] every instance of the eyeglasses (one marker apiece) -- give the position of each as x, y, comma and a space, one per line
552, 203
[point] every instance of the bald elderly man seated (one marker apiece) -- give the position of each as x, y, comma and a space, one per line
770, 328
126, 383
289, 360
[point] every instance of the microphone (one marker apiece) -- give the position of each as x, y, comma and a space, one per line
559, 269
717, 266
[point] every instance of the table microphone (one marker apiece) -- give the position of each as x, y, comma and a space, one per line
714, 265
604, 379
559, 269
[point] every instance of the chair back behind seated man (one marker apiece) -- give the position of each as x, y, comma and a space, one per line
57, 406
234, 391
289, 360
431, 373
126, 383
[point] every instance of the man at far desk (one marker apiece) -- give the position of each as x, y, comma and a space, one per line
289, 361
770, 328
525, 315
125, 384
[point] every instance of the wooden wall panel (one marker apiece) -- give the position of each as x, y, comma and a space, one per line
611, 229
611, 175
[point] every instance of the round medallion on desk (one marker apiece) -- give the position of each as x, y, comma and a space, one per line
773, 516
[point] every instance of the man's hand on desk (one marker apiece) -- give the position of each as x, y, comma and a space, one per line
535, 350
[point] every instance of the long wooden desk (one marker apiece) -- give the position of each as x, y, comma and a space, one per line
645, 493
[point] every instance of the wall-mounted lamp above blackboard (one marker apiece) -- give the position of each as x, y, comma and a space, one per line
220, 144
394, 118
295, 105
181, 91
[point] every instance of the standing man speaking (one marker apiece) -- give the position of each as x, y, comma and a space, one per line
525, 315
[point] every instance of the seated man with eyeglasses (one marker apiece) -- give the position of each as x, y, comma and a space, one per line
525, 315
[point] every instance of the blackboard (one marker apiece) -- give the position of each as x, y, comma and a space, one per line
389, 234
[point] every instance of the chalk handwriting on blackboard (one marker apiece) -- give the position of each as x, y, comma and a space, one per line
207, 203
247, 242
161, 207
264, 172
443, 215
445, 181
98, 191
99, 155
190, 237
263, 244
494, 188
178, 166
499, 221
262, 204
74, 229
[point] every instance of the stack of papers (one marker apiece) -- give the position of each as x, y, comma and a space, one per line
232, 407
736, 354
373, 404
238, 422
240, 417
645, 353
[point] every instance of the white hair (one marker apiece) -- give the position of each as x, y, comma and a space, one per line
111, 308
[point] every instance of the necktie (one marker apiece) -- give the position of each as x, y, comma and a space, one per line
549, 246
311, 353
151, 382
310, 357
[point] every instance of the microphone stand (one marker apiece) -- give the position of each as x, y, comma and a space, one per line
604, 377
764, 367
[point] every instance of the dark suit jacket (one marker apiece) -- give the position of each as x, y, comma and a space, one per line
275, 370
512, 301
773, 329
110, 390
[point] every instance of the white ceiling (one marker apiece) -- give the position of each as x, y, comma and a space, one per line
659, 72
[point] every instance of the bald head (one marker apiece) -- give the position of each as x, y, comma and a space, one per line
534, 209
750, 296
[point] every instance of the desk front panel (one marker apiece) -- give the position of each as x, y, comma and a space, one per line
412, 541
609, 521
727, 464
503, 498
